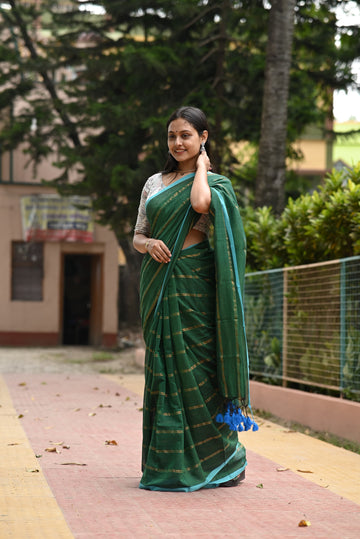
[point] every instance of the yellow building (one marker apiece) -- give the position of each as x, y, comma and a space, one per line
316, 149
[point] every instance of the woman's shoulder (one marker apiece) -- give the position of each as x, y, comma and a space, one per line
153, 181
221, 184
154, 178
216, 178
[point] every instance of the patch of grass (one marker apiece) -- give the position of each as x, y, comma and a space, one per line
332, 439
109, 371
102, 356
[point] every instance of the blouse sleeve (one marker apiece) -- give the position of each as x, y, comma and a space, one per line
142, 225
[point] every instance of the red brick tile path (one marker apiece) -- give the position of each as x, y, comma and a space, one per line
102, 499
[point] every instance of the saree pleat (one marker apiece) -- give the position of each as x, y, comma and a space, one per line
184, 448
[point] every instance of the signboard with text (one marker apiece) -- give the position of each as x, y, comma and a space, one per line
54, 218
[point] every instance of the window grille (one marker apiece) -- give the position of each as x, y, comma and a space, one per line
27, 271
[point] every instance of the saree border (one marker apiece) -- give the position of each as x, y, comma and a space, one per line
236, 270
167, 187
208, 481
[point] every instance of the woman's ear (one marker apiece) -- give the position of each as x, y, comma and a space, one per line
204, 136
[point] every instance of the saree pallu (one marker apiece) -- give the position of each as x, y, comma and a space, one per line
196, 354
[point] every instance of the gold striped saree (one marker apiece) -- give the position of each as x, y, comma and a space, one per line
196, 355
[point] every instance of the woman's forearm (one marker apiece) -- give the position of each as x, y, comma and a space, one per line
156, 248
200, 196
141, 242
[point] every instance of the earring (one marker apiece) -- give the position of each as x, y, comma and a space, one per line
202, 147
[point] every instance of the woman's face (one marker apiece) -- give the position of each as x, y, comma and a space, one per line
184, 141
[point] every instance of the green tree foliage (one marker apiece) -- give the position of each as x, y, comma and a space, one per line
324, 225
130, 67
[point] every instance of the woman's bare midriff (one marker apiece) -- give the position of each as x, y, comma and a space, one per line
194, 236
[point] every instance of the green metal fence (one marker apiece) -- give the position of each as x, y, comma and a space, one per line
303, 325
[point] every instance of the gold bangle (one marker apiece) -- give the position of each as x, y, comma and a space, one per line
147, 244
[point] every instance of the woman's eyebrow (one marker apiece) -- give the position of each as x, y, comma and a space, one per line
182, 131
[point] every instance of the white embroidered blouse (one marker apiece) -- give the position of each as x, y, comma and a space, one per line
154, 185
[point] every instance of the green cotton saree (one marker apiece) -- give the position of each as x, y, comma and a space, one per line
196, 355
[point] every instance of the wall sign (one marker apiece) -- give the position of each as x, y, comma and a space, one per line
54, 218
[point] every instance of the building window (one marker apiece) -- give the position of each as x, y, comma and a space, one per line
27, 271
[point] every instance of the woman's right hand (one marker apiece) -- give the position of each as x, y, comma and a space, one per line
158, 250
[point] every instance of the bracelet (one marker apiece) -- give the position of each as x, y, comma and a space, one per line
147, 244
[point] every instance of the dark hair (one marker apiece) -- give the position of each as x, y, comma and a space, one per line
198, 120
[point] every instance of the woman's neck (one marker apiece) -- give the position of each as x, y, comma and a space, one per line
185, 167
182, 172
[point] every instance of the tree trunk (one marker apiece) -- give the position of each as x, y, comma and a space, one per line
270, 182
218, 85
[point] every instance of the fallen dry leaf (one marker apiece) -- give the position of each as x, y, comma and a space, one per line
104, 406
51, 450
304, 523
66, 447
14, 443
110, 442
22, 384
56, 443
304, 471
73, 464
91, 414
20, 416
260, 485
280, 469
32, 470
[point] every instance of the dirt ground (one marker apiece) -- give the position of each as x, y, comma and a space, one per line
73, 359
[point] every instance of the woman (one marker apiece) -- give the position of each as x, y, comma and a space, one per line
196, 365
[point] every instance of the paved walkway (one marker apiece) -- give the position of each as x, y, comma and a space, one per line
70, 442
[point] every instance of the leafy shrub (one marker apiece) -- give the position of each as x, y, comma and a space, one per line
323, 225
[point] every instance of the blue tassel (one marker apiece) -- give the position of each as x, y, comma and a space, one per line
236, 420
